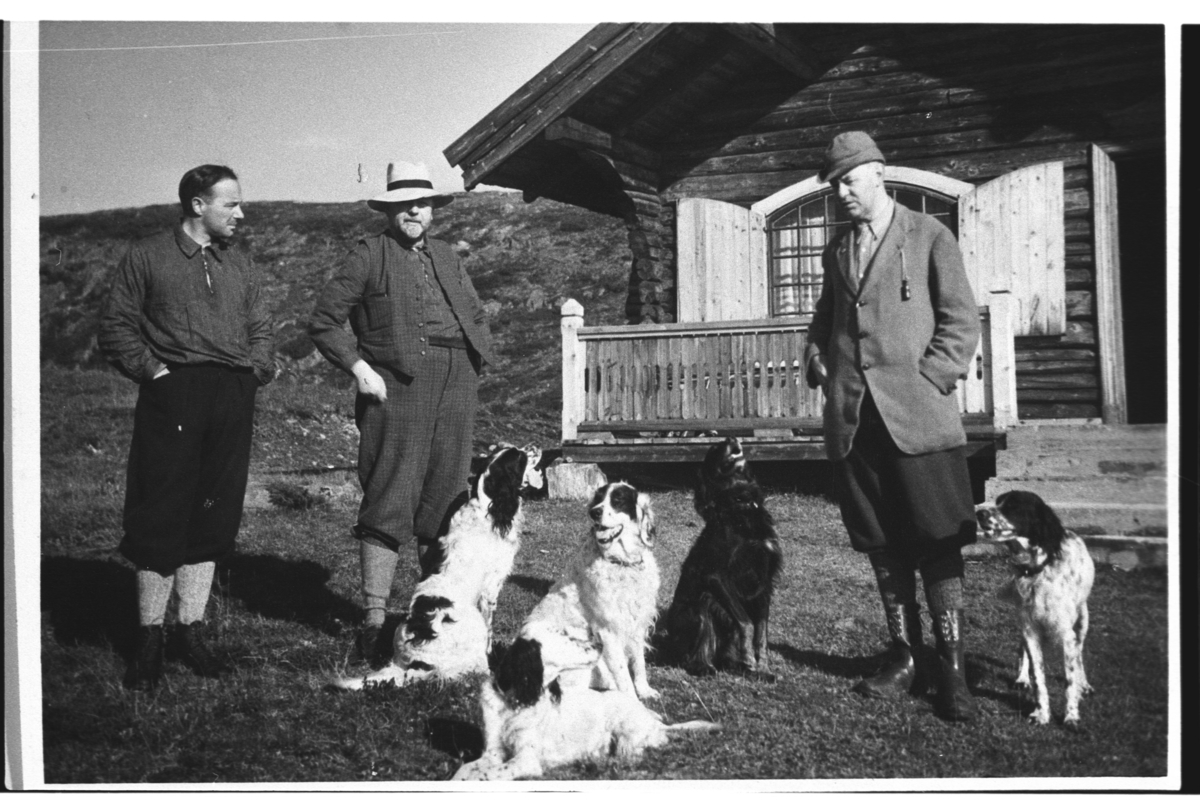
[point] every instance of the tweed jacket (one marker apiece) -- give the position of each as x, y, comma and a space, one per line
909, 352
385, 315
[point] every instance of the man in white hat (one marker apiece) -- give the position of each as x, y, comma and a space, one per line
894, 330
419, 339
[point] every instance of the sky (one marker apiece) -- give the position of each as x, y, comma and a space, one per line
294, 108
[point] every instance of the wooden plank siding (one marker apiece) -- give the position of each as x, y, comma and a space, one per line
927, 121
692, 111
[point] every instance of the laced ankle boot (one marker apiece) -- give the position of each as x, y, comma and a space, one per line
192, 650
145, 669
897, 676
953, 701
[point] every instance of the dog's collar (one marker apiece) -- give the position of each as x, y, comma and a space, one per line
622, 562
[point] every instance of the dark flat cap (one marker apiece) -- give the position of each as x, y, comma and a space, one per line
847, 151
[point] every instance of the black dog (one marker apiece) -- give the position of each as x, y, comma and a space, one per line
718, 617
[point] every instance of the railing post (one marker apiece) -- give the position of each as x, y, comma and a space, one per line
573, 363
1002, 308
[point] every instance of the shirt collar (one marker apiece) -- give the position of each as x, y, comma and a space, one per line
883, 219
190, 247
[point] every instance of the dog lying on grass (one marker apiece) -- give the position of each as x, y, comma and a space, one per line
532, 722
448, 631
719, 615
1054, 575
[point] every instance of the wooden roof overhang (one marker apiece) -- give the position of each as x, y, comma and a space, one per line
615, 95
634, 110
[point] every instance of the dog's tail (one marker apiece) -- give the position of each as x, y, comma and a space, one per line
392, 673
694, 726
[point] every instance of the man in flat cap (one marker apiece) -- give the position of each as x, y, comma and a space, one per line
895, 328
419, 339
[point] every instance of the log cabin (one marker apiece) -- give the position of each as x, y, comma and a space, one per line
1042, 147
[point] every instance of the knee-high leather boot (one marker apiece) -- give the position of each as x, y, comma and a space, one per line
953, 701
899, 675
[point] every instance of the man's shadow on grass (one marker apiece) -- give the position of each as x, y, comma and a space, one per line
90, 602
848, 667
278, 588
94, 602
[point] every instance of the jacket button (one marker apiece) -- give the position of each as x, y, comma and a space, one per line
421, 339
861, 303
866, 365
422, 352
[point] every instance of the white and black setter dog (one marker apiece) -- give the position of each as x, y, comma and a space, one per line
535, 721
591, 629
1054, 575
718, 619
447, 633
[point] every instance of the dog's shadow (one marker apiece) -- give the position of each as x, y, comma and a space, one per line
538, 587
996, 670
455, 738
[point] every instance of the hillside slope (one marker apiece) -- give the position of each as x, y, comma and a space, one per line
525, 260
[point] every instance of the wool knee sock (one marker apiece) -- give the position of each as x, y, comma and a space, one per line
378, 569
193, 585
942, 575
153, 592
897, 581
944, 595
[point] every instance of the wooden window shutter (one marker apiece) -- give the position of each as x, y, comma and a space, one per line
1109, 334
721, 258
1011, 234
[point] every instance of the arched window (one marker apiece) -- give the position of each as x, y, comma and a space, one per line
798, 233
802, 219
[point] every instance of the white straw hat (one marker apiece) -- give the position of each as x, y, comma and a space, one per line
406, 182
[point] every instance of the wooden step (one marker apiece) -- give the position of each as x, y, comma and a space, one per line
1118, 552
1076, 451
1085, 490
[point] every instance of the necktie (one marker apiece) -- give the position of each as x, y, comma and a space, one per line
866, 241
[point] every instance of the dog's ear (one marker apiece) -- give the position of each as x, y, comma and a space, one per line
1049, 528
502, 485
647, 528
533, 476
519, 674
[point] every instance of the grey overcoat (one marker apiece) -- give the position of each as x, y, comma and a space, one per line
910, 352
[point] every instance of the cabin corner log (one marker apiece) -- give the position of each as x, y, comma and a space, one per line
669, 385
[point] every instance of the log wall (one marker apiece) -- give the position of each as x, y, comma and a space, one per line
980, 106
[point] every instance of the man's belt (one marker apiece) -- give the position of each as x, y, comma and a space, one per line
457, 342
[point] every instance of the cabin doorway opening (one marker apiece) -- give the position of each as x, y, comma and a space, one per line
1142, 226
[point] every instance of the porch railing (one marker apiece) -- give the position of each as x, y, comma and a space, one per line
702, 376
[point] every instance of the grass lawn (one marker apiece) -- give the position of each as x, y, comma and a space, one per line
286, 607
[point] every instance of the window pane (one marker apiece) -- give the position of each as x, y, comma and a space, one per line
910, 199
787, 300
783, 243
786, 270
788, 219
813, 212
